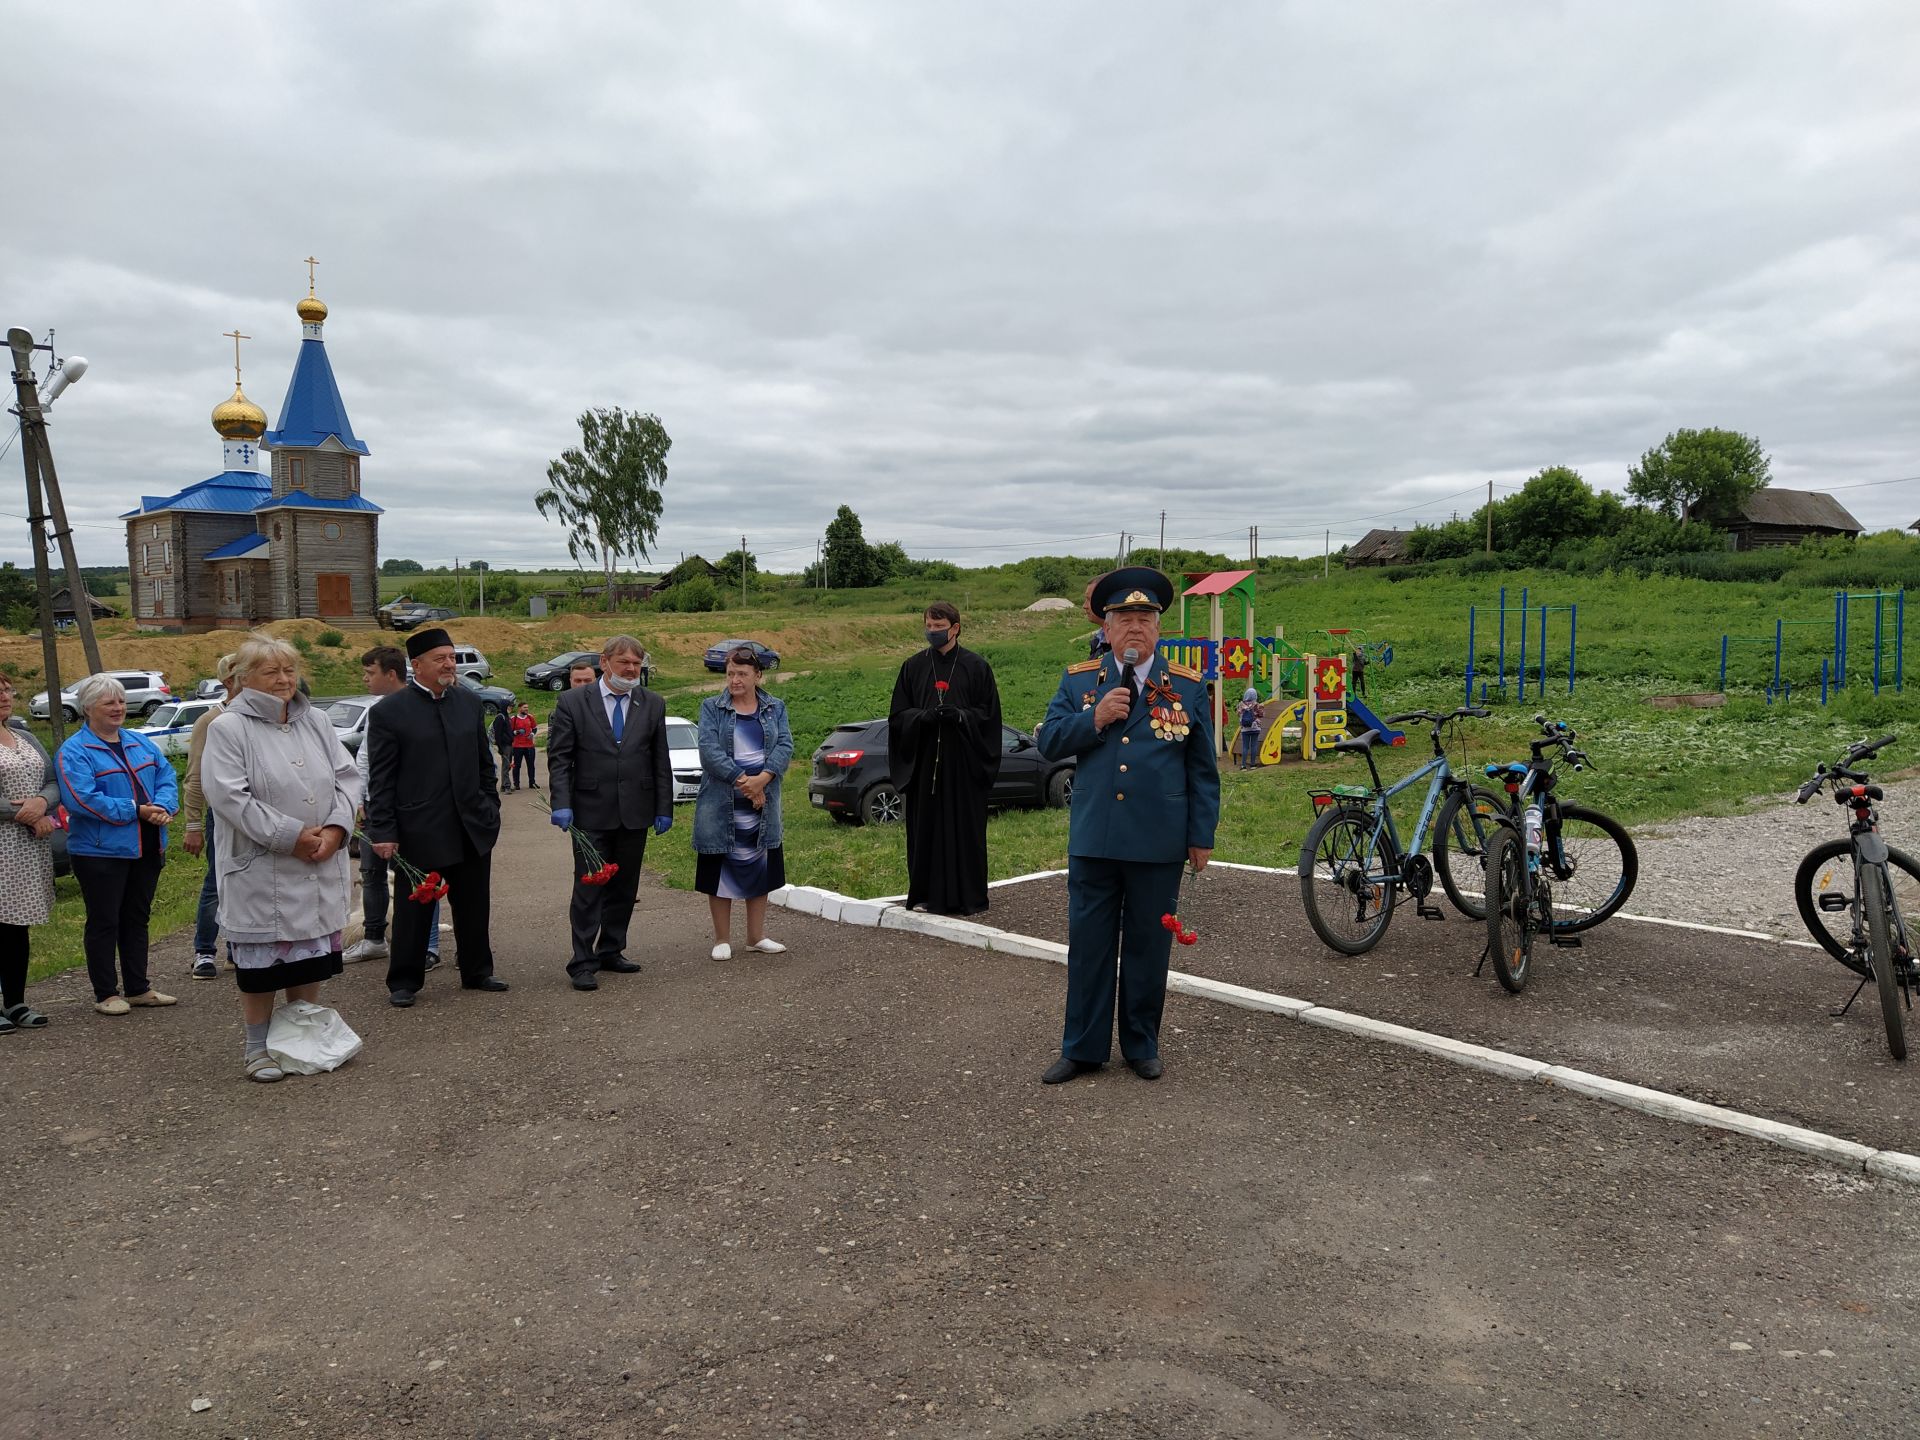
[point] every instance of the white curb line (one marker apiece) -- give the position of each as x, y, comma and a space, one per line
1844, 1154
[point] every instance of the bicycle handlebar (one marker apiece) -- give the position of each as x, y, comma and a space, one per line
1436, 717
1841, 769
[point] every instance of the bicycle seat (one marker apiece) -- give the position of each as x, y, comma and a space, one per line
1357, 744
1509, 767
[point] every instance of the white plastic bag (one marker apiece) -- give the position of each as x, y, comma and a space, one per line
306, 1038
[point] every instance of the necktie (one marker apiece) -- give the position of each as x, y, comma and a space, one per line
619, 717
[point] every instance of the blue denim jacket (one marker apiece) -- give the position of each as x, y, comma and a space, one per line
713, 810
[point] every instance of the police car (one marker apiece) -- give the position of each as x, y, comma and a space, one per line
171, 726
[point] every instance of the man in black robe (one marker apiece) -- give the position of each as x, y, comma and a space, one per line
943, 746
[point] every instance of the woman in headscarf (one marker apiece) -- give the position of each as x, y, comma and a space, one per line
1248, 713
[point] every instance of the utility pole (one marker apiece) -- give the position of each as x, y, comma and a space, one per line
480, 574
1489, 515
459, 585
1326, 555
1163, 539
743, 572
37, 456
43, 590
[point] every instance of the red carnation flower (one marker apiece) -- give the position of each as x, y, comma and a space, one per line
940, 685
1170, 922
1189, 937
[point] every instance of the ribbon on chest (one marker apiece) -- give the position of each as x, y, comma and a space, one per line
1166, 712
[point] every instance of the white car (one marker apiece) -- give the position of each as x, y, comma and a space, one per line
171, 726
683, 753
349, 716
146, 692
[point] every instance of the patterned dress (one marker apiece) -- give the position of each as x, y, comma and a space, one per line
743, 875
26, 864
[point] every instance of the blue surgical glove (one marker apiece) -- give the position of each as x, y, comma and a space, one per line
562, 819
662, 824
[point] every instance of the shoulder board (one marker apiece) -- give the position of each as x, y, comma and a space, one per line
1185, 672
1085, 667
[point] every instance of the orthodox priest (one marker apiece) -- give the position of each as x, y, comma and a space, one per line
943, 743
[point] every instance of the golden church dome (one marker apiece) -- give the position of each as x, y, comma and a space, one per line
312, 311
238, 418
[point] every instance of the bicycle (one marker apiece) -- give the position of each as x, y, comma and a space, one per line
1352, 863
1872, 938
1553, 868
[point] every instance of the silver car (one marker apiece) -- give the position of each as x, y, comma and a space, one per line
146, 692
349, 716
683, 754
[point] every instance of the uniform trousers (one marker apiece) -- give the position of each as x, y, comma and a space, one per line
1116, 905
470, 898
600, 914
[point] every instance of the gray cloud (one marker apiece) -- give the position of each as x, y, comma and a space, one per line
998, 277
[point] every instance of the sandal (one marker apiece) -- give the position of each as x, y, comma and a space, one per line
261, 1067
23, 1017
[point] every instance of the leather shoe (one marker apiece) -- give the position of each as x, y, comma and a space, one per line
620, 965
1065, 1069
585, 982
490, 982
400, 999
1148, 1068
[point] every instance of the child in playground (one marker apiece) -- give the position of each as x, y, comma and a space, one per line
1248, 712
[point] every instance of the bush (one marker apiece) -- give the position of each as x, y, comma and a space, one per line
1050, 577
691, 597
332, 637
303, 645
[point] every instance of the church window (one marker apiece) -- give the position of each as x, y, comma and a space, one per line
168, 562
331, 530
353, 473
146, 560
276, 529
296, 473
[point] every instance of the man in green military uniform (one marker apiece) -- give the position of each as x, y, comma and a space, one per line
1146, 799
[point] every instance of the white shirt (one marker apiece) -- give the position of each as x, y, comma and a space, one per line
608, 697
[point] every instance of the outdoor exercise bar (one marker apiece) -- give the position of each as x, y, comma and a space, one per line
1523, 610
1842, 599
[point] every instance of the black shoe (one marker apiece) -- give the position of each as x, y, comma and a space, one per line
1147, 1069
1065, 1069
585, 982
433, 960
490, 982
400, 999
620, 965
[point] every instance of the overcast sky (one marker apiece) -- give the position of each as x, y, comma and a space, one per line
1006, 278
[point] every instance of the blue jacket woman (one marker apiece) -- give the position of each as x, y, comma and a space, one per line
97, 787
745, 747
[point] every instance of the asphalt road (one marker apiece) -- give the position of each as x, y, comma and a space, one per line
824, 1195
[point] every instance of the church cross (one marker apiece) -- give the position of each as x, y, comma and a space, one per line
311, 262
235, 336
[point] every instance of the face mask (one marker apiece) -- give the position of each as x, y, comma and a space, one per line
937, 639
620, 684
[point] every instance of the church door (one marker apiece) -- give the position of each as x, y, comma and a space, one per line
335, 594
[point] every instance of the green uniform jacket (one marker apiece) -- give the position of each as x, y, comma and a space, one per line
1147, 788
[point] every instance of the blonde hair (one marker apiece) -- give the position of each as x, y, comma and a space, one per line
257, 650
223, 669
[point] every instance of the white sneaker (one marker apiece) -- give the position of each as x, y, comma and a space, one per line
769, 947
365, 950
206, 967
723, 951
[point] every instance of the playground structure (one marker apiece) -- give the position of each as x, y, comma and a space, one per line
1833, 665
1231, 662
1527, 612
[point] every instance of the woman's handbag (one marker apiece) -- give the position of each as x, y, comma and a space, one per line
306, 1038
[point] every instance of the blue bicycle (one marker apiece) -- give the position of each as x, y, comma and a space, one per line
1353, 864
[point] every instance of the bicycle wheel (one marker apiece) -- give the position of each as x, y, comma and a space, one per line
1828, 870
1593, 864
1874, 900
1460, 840
1509, 909
1343, 884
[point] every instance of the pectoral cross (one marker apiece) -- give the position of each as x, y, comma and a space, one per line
311, 262
236, 337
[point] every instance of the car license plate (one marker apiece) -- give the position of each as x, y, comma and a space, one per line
818, 798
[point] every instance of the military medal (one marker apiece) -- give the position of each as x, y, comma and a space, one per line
1168, 716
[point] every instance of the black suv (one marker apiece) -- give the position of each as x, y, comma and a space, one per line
850, 780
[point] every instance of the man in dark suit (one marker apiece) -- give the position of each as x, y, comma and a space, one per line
1146, 799
431, 799
611, 781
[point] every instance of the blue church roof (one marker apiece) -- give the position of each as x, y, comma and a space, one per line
313, 409
300, 500
238, 549
232, 492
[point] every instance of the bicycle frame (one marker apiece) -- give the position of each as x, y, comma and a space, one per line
1438, 773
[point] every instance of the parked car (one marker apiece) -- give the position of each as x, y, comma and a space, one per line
552, 674
850, 779
716, 656
171, 726
469, 661
493, 698
146, 692
209, 689
683, 754
349, 716
384, 615
424, 615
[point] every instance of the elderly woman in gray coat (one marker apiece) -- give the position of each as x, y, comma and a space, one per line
285, 791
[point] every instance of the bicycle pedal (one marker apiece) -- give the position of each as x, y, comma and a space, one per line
1429, 912
1565, 942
